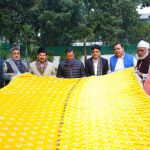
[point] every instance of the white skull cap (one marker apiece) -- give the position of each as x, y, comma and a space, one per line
143, 44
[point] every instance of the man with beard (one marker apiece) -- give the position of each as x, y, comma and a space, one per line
121, 60
144, 58
14, 65
147, 83
42, 67
96, 65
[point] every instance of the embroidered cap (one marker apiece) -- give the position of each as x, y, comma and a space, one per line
143, 44
14, 47
41, 50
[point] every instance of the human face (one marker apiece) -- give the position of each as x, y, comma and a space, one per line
42, 57
95, 53
141, 51
70, 56
118, 50
15, 54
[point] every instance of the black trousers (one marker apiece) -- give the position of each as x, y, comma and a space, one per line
1, 82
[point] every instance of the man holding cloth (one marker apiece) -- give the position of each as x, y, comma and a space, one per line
42, 67
14, 65
96, 65
121, 60
144, 59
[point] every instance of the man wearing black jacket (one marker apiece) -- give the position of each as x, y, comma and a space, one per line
96, 65
1, 73
70, 67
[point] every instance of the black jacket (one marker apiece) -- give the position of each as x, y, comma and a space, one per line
89, 66
74, 70
1, 73
143, 64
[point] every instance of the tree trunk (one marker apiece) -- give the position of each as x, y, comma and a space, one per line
26, 54
84, 50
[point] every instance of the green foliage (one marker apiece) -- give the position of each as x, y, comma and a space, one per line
62, 57
50, 56
62, 22
145, 3
78, 54
143, 31
4, 54
13, 14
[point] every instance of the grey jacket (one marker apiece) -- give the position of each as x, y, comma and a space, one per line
49, 71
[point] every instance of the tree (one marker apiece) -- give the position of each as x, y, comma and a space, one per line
85, 26
13, 14
26, 35
62, 22
145, 3
58, 20
143, 31
117, 20
130, 20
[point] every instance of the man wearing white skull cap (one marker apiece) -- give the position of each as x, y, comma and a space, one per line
144, 58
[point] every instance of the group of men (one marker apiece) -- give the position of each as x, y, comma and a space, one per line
15, 65
73, 68
97, 65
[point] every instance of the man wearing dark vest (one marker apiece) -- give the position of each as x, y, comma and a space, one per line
96, 65
147, 83
144, 58
14, 65
121, 60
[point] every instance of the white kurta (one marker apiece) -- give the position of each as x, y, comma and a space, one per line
120, 63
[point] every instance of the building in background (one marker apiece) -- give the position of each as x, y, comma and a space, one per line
145, 17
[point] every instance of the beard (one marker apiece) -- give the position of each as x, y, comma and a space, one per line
144, 56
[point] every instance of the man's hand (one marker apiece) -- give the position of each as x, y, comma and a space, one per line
140, 74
